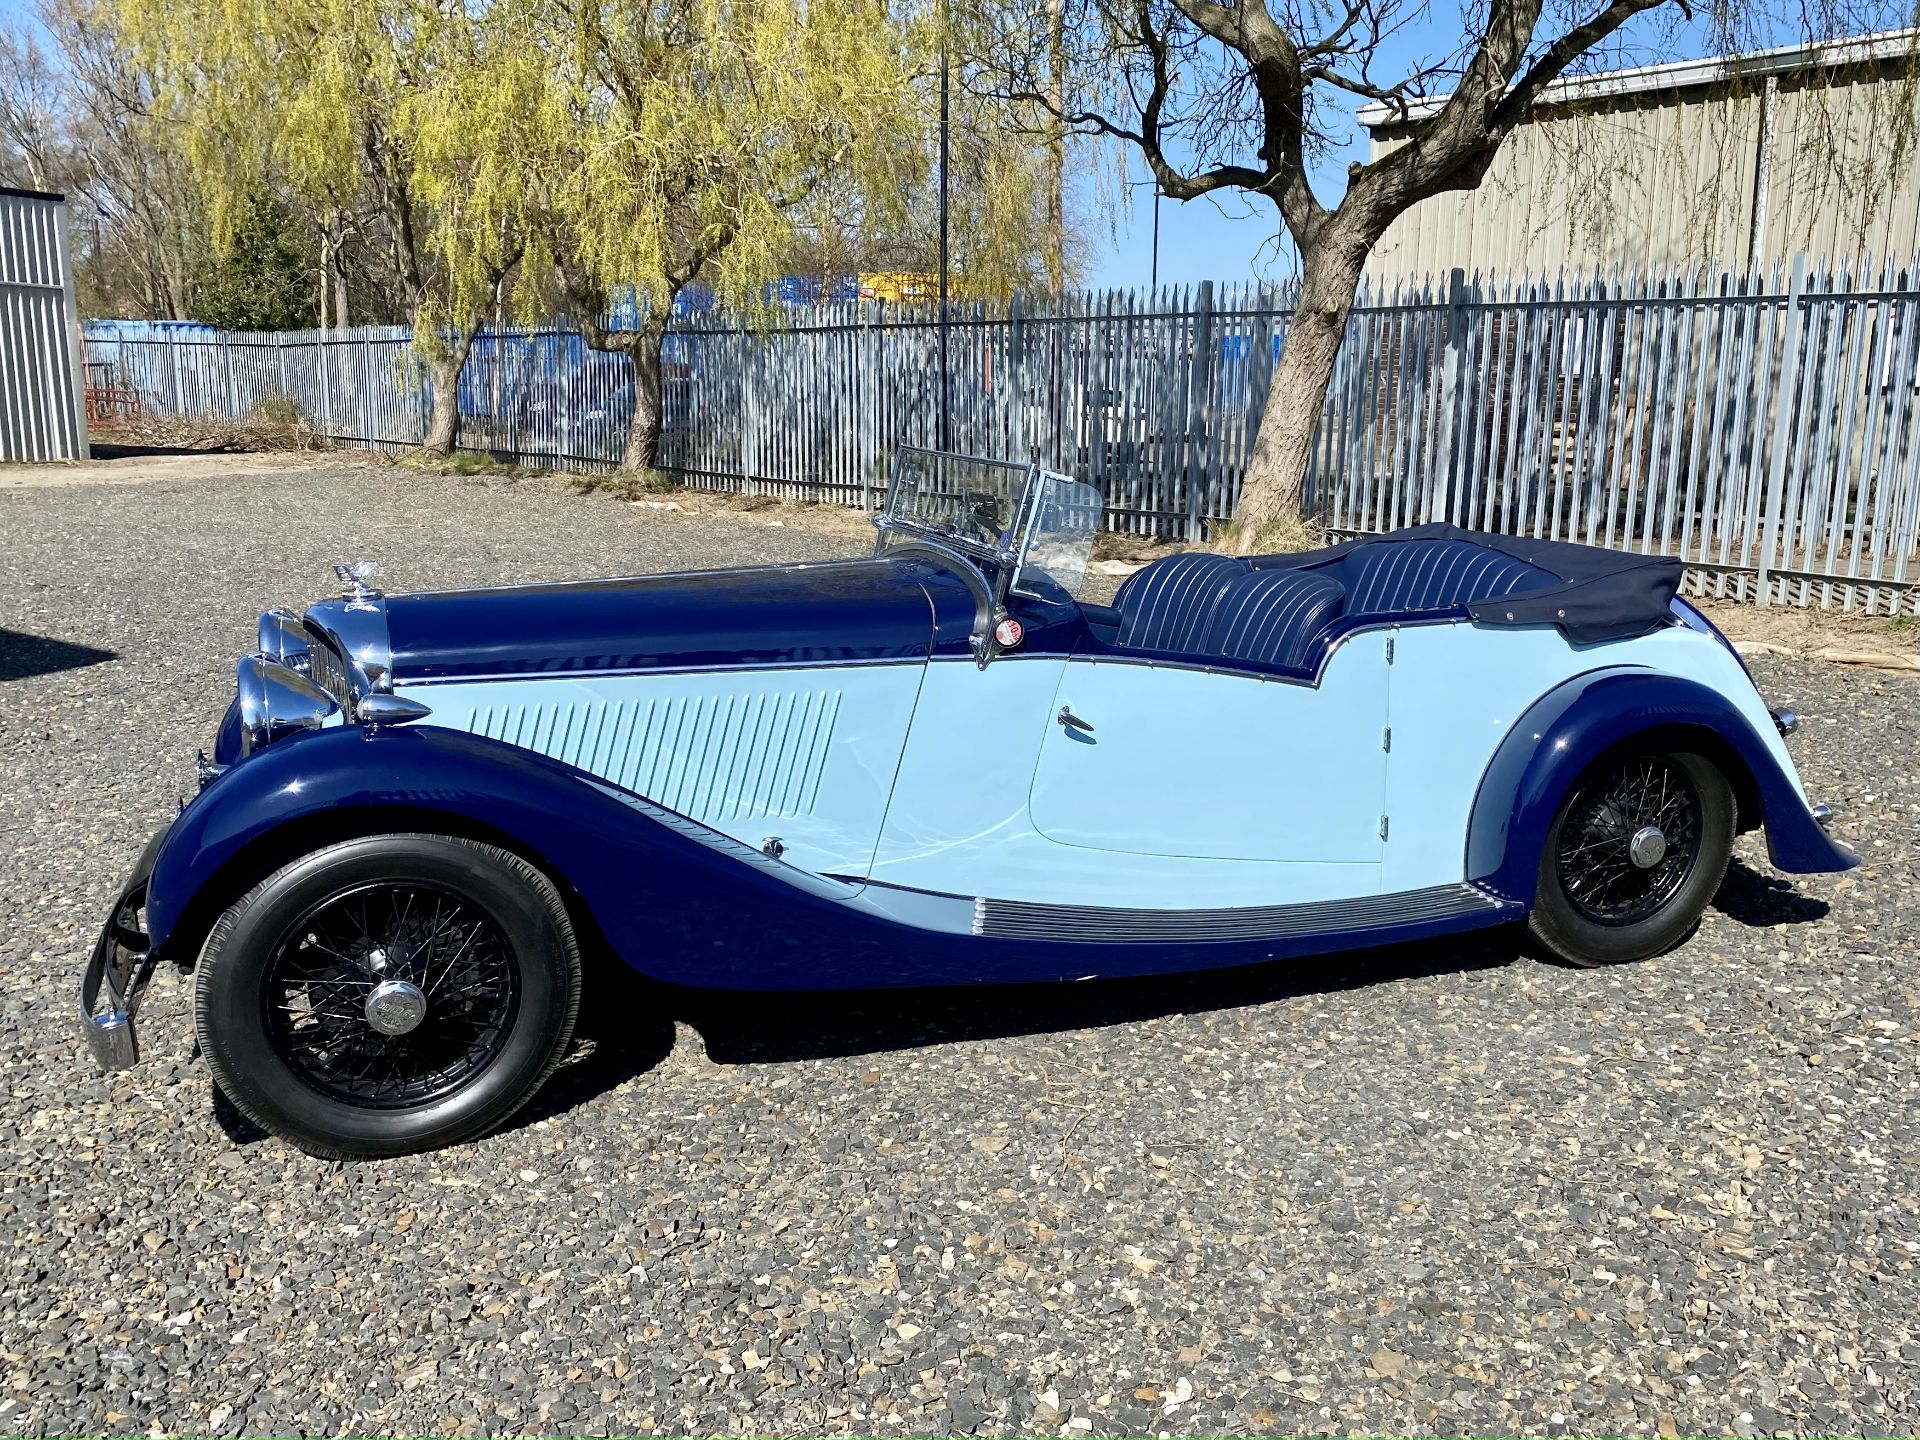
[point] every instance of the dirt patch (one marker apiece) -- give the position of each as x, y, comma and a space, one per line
1833, 636
680, 506
178, 452
144, 467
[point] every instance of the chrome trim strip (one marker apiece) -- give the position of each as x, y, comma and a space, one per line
745, 665
1027, 920
789, 568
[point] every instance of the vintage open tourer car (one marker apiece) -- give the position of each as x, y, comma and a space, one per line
932, 766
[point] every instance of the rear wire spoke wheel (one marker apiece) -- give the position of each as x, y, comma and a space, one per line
389, 994
1636, 852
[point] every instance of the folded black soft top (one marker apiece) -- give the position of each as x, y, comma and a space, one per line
1599, 595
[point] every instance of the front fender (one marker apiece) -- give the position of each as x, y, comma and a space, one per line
1576, 723
665, 890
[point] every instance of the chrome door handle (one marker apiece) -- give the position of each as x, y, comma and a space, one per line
1071, 720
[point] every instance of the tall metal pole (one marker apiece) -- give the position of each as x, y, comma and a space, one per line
1153, 278
946, 420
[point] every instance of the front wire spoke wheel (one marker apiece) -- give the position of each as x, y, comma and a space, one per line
390, 995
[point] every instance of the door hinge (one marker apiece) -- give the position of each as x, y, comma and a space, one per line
1386, 739
1389, 649
1383, 827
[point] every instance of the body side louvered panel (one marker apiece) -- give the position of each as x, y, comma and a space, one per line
711, 757
806, 756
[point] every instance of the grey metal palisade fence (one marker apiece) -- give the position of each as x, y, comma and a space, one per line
1764, 427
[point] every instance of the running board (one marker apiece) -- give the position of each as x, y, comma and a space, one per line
1026, 920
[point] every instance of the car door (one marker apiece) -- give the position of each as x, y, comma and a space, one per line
1157, 759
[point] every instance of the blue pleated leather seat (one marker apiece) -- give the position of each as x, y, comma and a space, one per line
1273, 617
1412, 575
1169, 604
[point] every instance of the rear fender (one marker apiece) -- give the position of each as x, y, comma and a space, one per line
1576, 723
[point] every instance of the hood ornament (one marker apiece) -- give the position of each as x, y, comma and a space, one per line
359, 595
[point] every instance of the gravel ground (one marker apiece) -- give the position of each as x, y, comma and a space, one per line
1443, 1188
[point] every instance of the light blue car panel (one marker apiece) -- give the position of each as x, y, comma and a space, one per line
806, 756
961, 822
1216, 765
1458, 689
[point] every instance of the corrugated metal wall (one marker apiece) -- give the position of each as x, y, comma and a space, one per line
1656, 179
42, 391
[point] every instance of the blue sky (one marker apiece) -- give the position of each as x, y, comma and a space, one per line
1230, 237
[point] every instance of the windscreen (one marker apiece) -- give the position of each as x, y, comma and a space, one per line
1066, 517
959, 499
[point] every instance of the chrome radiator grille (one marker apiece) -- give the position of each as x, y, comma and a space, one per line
330, 674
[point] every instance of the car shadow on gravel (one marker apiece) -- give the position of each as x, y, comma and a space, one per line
1749, 898
626, 1023
24, 656
626, 1026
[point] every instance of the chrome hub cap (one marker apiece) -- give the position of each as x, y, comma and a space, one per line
1648, 847
396, 1006
391, 994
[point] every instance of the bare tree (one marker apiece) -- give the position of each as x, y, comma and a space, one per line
1221, 95
32, 149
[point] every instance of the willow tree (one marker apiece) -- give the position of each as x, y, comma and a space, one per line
1248, 95
687, 139
400, 108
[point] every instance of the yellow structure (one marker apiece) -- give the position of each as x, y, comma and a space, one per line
900, 287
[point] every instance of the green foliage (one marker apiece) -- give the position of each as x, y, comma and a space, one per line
488, 146
390, 108
263, 280
683, 138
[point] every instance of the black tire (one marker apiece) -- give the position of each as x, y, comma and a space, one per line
282, 981
1597, 902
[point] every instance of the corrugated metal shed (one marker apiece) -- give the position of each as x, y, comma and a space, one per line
42, 385
1742, 161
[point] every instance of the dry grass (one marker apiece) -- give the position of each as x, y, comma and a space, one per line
269, 428
1287, 535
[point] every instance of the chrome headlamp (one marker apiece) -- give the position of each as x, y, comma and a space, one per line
284, 639
276, 701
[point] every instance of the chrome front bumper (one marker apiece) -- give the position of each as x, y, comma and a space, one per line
117, 974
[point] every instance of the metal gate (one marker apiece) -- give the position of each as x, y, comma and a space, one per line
42, 404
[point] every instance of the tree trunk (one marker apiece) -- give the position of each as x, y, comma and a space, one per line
444, 363
1272, 492
643, 431
443, 426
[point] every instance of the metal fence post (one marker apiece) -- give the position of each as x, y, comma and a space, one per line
366, 390
1016, 377
1785, 393
1199, 406
1452, 421
325, 361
